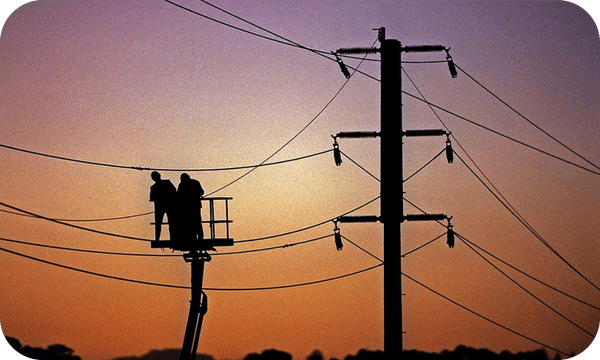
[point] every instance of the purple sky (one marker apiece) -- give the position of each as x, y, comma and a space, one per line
144, 83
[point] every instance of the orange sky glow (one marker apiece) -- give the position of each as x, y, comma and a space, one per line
147, 84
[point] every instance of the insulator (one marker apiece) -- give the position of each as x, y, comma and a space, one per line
452, 67
342, 67
450, 240
449, 152
338, 238
337, 155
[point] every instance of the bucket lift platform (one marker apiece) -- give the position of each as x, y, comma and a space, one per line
218, 235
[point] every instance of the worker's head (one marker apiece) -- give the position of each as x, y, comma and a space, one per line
155, 175
185, 177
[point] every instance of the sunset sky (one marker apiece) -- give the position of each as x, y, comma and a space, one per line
143, 83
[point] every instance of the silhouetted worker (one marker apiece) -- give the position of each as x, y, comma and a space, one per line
189, 193
162, 193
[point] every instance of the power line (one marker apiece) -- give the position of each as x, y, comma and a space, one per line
84, 250
482, 316
298, 133
408, 253
300, 243
82, 220
284, 40
527, 275
527, 291
424, 166
266, 288
287, 41
462, 306
462, 147
277, 287
501, 134
525, 118
376, 178
528, 227
275, 247
232, 168
427, 243
94, 273
504, 201
34, 215
360, 166
229, 25
289, 286
362, 249
508, 264
308, 227
291, 43
288, 245
74, 226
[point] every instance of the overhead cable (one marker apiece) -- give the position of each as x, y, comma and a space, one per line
462, 147
528, 227
92, 272
82, 220
524, 289
482, 316
293, 137
424, 166
529, 276
285, 246
307, 227
286, 40
272, 287
276, 287
322, 53
362, 249
229, 25
231, 168
74, 226
427, 243
526, 119
34, 215
508, 264
403, 255
501, 134
85, 250
89, 251
360, 166
502, 198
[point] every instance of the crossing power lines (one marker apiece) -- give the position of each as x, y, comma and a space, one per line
428, 103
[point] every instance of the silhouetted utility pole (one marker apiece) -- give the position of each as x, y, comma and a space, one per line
392, 210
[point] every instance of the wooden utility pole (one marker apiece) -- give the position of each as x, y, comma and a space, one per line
391, 195
391, 173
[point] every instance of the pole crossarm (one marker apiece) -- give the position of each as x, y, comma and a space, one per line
357, 134
358, 219
423, 48
433, 132
425, 217
343, 51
